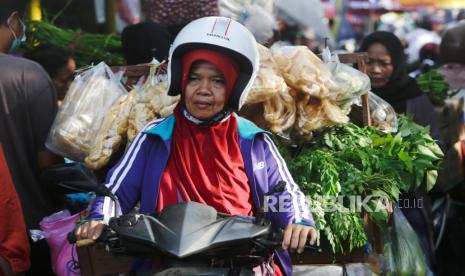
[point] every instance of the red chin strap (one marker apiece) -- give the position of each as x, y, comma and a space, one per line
223, 63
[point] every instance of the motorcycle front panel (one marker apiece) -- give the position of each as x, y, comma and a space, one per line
189, 228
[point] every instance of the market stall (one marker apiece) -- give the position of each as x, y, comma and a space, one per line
309, 104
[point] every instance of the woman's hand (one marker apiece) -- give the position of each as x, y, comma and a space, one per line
296, 236
90, 230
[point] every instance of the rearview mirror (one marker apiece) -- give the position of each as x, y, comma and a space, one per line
71, 178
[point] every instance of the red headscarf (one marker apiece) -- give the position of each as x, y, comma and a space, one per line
205, 164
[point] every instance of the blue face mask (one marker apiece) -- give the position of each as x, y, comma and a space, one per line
18, 41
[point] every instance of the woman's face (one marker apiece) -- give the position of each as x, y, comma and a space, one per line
205, 93
379, 65
63, 79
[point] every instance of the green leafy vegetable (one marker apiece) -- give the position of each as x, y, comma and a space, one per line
346, 165
433, 84
86, 48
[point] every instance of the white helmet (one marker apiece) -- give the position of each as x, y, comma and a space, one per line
225, 36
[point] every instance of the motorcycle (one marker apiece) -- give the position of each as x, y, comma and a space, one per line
190, 238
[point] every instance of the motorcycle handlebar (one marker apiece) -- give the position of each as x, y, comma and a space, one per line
72, 239
276, 241
85, 242
278, 244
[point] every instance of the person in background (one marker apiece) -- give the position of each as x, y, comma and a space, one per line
144, 41
204, 152
452, 56
450, 253
389, 80
428, 59
59, 65
174, 15
27, 109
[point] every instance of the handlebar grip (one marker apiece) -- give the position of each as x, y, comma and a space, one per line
71, 237
85, 242
79, 243
313, 248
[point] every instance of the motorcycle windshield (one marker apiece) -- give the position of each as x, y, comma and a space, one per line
189, 228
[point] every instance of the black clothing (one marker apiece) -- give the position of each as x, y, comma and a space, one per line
144, 41
27, 110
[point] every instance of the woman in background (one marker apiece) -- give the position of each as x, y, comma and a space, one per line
389, 80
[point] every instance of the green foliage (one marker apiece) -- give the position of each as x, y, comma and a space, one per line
352, 161
86, 48
433, 84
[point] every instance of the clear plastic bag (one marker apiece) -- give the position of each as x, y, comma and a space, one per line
303, 70
383, 115
89, 99
310, 82
152, 102
271, 92
280, 113
349, 83
402, 252
269, 81
314, 114
386, 262
112, 133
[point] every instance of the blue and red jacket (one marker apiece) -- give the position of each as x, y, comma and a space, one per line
136, 177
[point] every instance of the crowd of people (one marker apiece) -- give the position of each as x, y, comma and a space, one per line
213, 74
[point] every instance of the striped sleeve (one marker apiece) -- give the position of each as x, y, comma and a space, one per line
292, 201
124, 180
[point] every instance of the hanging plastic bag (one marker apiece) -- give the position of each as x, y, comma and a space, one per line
152, 102
303, 70
386, 262
112, 133
269, 81
383, 115
405, 256
89, 99
280, 113
349, 83
63, 254
271, 92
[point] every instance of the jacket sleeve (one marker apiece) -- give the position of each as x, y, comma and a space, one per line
290, 205
124, 180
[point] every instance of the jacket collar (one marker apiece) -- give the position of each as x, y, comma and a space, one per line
165, 128
247, 129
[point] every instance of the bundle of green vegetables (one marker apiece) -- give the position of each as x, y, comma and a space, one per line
433, 84
86, 48
347, 164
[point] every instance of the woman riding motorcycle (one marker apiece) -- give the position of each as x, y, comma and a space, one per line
204, 152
